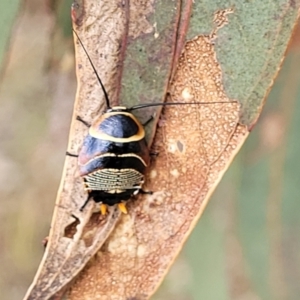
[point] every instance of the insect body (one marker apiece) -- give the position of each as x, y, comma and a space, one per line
113, 158
114, 154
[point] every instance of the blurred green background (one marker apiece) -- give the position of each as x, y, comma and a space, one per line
246, 245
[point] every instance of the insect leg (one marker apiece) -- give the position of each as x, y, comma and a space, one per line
86, 124
71, 154
103, 209
85, 203
154, 153
122, 207
145, 192
148, 121
82, 121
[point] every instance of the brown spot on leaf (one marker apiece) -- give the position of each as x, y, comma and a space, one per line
77, 12
180, 146
70, 230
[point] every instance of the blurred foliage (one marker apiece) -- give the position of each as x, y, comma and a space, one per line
37, 91
249, 233
8, 13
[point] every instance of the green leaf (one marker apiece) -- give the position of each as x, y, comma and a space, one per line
8, 13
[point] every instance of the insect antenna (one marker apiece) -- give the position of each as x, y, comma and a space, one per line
176, 103
95, 71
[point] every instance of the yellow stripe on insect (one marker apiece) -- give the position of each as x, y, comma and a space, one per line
94, 131
109, 154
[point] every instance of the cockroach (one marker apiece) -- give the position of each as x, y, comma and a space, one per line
114, 155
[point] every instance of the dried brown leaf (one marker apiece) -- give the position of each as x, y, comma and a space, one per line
196, 143
75, 237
